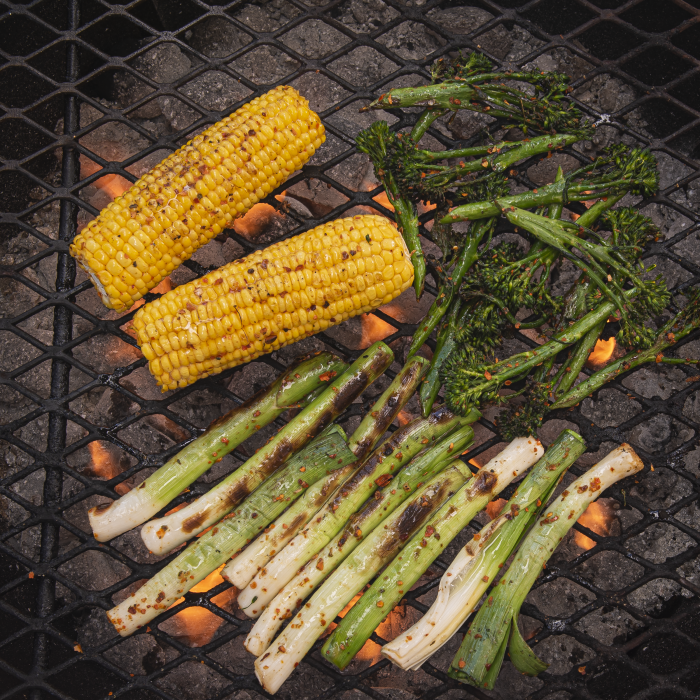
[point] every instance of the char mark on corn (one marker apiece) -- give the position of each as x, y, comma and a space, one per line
194, 194
272, 298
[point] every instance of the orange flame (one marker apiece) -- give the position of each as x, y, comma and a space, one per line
197, 626
374, 329
382, 199
404, 418
598, 517
106, 464
113, 185
602, 352
258, 218
475, 463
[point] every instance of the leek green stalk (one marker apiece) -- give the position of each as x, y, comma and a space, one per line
348, 498
211, 550
422, 468
495, 627
222, 436
241, 570
164, 534
479, 562
380, 546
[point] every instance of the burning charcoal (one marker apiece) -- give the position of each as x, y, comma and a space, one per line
94, 571
316, 196
263, 224
264, 65
562, 653
460, 20
660, 381
215, 90
544, 172
165, 63
610, 571
210, 255
217, 38
605, 93
412, 40
251, 378
232, 250
661, 433
363, 66
653, 597
15, 352
509, 45
612, 408
551, 430
364, 16
609, 625
192, 681
265, 15
112, 407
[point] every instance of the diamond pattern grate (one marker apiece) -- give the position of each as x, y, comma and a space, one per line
72, 382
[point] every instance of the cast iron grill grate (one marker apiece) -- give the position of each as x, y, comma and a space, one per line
72, 61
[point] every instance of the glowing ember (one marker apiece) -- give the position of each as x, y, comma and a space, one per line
113, 185
105, 462
259, 218
602, 352
598, 517
475, 463
382, 199
197, 626
374, 329
495, 507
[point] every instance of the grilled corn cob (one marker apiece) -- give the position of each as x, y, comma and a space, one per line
272, 298
194, 194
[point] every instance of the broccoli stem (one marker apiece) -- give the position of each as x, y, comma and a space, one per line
556, 193
424, 121
446, 341
446, 292
670, 334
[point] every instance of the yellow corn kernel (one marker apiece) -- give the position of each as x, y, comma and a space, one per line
194, 194
272, 298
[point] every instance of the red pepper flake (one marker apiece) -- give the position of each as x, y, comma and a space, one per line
429, 531
326, 376
485, 579
30, 574
582, 670
302, 469
256, 414
319, 564
380, 603
462, 663
224, 439
488, 375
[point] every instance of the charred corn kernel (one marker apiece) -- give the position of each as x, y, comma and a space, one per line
272, 298
196, 192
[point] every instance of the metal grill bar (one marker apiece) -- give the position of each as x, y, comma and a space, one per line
63, 610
